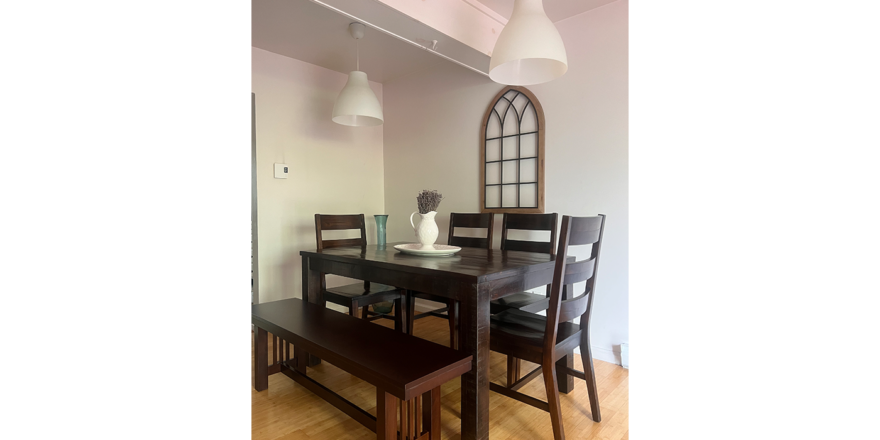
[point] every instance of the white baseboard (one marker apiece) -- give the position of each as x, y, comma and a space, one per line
605, 354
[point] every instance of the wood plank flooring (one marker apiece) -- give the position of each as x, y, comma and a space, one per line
287, 411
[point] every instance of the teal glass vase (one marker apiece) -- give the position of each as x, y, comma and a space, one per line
381, 220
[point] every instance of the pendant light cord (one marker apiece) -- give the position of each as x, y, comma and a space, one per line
357, 51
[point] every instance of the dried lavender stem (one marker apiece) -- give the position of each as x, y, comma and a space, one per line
428, 200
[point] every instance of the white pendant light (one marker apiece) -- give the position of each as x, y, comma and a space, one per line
529, 49
356, 104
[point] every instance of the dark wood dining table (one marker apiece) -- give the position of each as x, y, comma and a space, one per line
472, 276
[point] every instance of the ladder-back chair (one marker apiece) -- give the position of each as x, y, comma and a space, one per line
456, 220
356, 296
545, 340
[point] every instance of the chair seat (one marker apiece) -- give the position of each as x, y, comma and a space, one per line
517, 327
431, 297
352, 290
343, 295
525, 301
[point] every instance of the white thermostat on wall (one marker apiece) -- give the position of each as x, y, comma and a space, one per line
280, 171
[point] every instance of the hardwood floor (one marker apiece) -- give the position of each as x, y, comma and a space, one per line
287, 411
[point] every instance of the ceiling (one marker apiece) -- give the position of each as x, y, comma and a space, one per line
556, 9
309, 32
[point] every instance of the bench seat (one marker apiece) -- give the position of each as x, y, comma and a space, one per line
398, 364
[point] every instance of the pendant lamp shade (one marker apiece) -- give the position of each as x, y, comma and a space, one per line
529, 49
356, 104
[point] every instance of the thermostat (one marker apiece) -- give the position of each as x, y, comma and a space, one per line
280, 171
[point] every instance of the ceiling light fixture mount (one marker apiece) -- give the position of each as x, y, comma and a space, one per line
529, 49
356, 104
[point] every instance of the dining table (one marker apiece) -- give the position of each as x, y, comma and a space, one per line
472, 276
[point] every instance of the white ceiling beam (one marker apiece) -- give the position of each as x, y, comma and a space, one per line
463, 31
467, 21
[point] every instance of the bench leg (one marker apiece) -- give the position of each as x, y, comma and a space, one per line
403, 428
420, 428
261, 359
431, 413
411, 418
299, 360
386, 416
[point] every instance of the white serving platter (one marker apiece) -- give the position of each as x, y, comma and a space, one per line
439, 250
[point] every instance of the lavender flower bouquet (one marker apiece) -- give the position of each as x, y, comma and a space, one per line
428, 200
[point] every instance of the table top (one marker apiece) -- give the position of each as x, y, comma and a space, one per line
474, 264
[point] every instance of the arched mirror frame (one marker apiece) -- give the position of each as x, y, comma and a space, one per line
539, 120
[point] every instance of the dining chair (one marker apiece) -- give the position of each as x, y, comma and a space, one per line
546, 339
456, 220
361, 295
525, 301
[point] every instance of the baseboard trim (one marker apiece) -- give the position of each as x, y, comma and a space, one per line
604, 354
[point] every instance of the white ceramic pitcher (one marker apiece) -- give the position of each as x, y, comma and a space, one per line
427, 230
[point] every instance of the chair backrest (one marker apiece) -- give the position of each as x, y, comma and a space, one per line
459, 220
575, 231
324, 222
529, 222
339, 223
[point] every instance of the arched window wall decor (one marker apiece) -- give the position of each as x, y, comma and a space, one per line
512, 153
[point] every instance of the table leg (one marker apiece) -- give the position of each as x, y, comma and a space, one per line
564, 381
474, 322
261, 359
311, 292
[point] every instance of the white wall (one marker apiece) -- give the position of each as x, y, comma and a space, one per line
432, 129
334, 169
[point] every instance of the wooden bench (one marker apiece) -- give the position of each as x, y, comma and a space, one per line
402, 367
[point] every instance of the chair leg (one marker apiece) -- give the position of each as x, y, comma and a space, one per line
549, 370
511, 370
452, 315
410, 312
398, 315
590, 374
